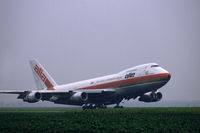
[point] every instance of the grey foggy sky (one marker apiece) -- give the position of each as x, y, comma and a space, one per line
80, 39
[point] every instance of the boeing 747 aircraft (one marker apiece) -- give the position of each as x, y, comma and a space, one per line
140, 82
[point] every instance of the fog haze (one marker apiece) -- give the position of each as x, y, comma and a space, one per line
81, 39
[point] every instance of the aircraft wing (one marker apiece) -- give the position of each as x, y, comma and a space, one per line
58, 91
13, 92
23, 93
40, 91
68, 93
97, 91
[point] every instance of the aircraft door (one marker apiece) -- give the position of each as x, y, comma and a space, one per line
146, 70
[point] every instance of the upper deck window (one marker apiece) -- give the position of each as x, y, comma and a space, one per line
155, 66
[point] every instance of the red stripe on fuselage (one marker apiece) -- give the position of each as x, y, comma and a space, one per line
127, 81
49, 85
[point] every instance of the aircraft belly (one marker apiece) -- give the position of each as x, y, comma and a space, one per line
92, 98
121, 93
138, 89
99, 99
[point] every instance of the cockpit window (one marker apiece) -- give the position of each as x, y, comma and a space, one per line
155, 66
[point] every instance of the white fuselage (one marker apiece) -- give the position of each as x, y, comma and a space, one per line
127, 84
112, 89
140, 71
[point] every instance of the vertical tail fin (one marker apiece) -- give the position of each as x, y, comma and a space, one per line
41, 76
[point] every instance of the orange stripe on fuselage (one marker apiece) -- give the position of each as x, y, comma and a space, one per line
127, 81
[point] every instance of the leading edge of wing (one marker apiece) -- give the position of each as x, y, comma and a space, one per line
13, 91
96, 90
70, 91
58, 91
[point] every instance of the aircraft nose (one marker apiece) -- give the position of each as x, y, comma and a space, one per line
168, 76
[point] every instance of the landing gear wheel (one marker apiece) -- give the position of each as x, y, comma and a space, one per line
90, 106
102, 106
117, 106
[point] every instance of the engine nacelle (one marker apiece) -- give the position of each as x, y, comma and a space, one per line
32, 97
153, 97
79, 97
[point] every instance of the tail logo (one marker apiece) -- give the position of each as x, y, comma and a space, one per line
40, 73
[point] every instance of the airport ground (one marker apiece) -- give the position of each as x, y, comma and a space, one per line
111, 120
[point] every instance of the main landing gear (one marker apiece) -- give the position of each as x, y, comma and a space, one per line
117, 106
94, 106
99, 106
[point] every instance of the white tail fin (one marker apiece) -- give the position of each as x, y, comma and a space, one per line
41, 76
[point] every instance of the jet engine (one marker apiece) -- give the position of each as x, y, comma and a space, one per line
32, 97
79, 97
152, 97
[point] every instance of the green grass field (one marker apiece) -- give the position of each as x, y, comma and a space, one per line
127, 120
